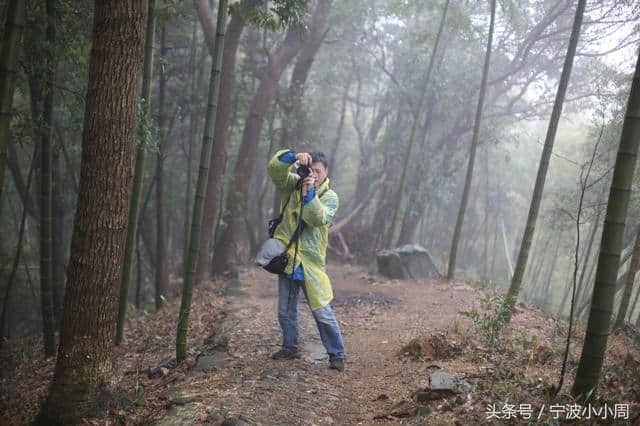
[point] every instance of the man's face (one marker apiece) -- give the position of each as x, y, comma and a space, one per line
319, 172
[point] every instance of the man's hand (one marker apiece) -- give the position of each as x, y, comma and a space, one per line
308, 182
304, 158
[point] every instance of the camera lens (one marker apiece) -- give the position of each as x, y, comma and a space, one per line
303, 171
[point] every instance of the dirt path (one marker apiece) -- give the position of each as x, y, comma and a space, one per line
377, 319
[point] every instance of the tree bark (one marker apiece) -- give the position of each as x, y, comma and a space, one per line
138, 175
84, 362
595, 343
9, 53
538, 189
472, 153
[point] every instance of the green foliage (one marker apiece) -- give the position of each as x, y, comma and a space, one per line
491, 320
278, 15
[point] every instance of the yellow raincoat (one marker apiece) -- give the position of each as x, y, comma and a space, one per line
312, 247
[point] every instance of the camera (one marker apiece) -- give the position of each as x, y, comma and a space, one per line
303, 171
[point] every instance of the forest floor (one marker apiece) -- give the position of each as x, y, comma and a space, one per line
397, 335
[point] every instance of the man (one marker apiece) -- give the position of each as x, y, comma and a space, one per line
319, 205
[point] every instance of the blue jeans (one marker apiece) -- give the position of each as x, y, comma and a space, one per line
328, 327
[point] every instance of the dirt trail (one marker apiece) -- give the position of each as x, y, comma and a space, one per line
377, 319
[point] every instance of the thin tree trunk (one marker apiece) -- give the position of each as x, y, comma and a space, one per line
339, 129
84, 363
162, 274
138, 175
4, 319
9, 53
213, 197
549, 279
538, 189
585, 260
190, 140
138, 272
472, 153
414, 125
595, 343
58, 255
631, 275
46, 172
201, 186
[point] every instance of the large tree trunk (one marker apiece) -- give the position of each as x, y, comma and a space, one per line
472, 153
46, 179
233, 242
536, 199
84, 362
201, 185
12, 37
162, 273
595, 343
138, 175
213, 196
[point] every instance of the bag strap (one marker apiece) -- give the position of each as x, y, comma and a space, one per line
301, 225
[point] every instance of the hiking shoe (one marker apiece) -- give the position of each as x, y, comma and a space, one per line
337, 364
285, 354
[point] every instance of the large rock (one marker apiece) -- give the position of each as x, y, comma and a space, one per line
408, 261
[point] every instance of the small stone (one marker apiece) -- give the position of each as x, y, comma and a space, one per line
441, 380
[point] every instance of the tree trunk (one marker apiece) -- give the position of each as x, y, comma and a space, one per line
10, 51
138, 175
58, 255
595, 343
201, 186
339, 129
193, 116
46, 174
4, 317
162, 274
585, 262
232, 247
472, 153
312, 42
84, 357
213, 197
631, 275
523, 255
554, 261
414, 125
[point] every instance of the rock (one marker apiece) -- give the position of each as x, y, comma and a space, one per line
441, 380
211, 362
406, 262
